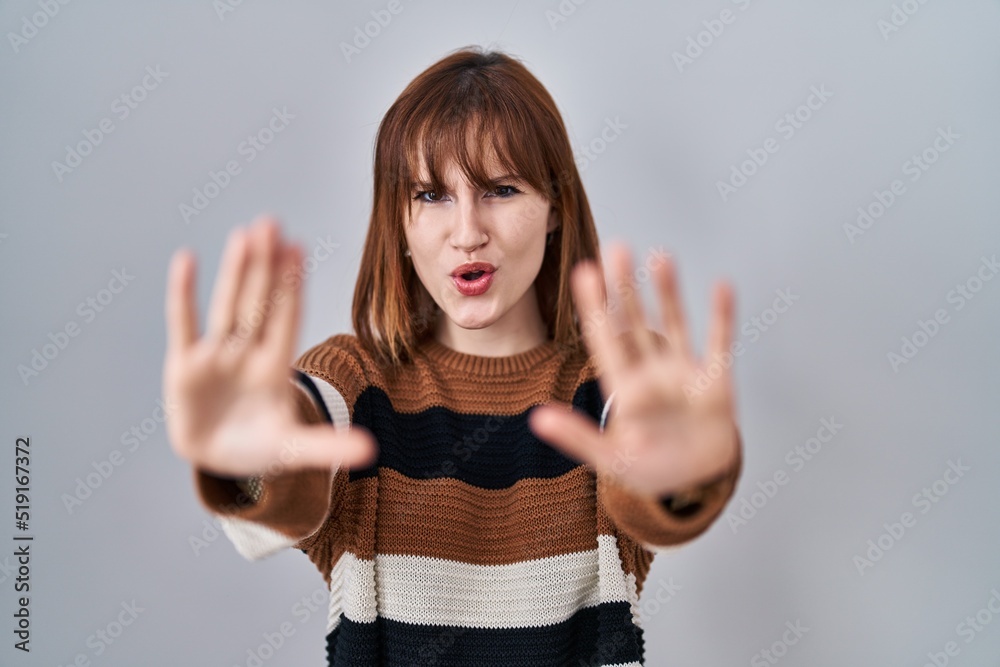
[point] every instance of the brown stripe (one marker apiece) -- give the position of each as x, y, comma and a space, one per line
447, 518
415, 387
339, 361
350, 525
479, 526
635, 559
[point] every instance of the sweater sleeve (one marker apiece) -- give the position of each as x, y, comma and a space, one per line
264, 515
672, 520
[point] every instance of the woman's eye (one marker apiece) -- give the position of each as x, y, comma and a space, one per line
420, 196
505, 191
501, 191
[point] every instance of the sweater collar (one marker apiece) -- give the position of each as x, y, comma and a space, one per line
489, 366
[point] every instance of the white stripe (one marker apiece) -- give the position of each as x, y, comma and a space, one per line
332, 399
607, 408
436, 591
633, 598
665, 550
252, 540
612, 580
352, 590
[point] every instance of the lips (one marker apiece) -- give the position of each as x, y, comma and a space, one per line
473, 278
472, 270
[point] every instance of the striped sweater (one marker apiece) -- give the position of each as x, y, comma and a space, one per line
469, 541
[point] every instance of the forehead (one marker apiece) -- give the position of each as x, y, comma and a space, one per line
475, 149
449, 168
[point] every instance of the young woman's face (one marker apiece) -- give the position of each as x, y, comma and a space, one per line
504, 227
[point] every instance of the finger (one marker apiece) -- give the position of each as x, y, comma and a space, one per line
595, 325
674, 320
222, 311
252, 303
322, 447
577, 436
181, 311
282, 328
635, 317
721, 328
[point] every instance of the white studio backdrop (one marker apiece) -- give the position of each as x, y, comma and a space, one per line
838, 162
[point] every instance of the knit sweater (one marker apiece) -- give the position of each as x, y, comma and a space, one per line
469, 541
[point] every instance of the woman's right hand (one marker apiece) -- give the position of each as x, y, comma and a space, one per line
231, 410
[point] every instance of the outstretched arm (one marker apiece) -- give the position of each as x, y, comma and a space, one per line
671, 451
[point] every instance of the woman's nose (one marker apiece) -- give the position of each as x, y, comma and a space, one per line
468, 232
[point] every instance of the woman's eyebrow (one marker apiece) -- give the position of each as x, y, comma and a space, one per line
426, 185
506, 177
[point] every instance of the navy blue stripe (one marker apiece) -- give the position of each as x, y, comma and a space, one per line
490, 452
602, 635
314, 392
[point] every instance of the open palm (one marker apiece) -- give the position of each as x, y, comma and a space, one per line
232, 407
672, 423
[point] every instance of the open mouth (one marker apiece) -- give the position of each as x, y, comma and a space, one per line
473, 283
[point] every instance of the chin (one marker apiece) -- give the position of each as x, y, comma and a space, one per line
472, 318
473, 323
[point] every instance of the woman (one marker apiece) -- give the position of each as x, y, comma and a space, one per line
413, 461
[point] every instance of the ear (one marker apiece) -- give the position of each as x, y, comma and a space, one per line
553, 222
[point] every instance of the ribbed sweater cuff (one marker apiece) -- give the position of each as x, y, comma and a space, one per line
648, 519
293, 504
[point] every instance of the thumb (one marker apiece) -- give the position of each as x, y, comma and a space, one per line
575, 434
323, 446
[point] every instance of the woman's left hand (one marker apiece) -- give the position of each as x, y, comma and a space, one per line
672, 424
